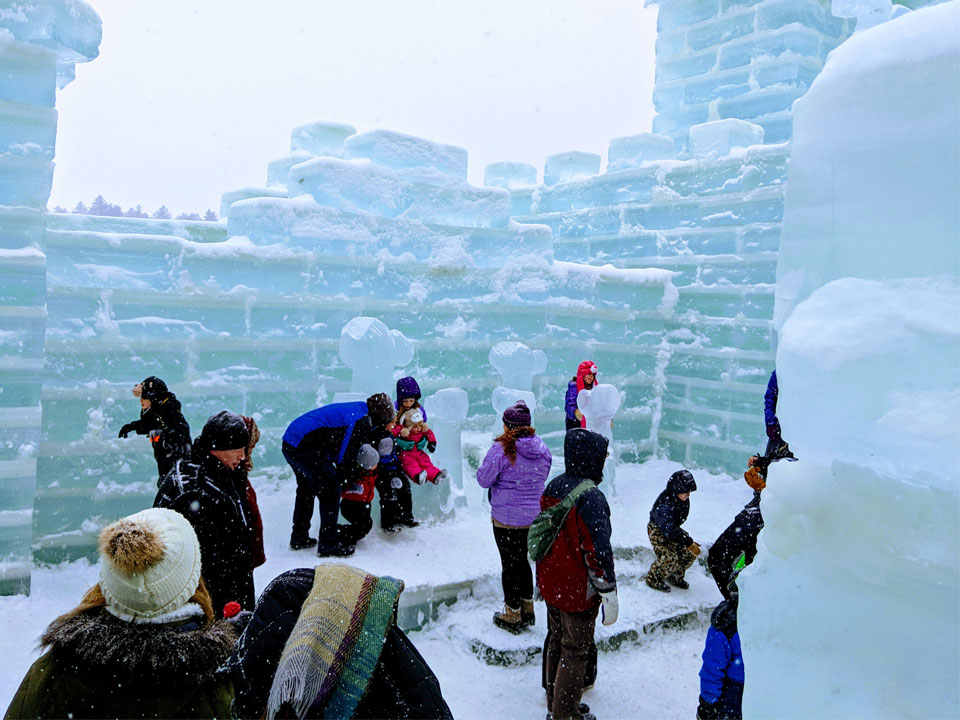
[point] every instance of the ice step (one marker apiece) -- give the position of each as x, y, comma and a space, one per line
195, 230
643, 612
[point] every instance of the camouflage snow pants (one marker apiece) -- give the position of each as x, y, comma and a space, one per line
672, 559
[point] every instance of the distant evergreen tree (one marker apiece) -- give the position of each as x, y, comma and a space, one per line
188, 216
59, 209
99, 206
210, 216
81, 209
136, 212
161, 213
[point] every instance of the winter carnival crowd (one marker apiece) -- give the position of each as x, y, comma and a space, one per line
174, 629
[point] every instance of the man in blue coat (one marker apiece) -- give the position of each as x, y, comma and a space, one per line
322, 447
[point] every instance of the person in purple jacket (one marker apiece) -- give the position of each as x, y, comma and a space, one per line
515, 470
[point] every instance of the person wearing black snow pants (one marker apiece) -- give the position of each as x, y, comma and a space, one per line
393, 489
322, 446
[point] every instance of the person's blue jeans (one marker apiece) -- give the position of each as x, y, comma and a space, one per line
316, 476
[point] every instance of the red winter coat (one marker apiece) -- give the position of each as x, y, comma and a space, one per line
579, 564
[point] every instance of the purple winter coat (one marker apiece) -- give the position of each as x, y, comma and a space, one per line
516, 489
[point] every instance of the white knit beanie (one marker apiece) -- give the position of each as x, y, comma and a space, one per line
150, 564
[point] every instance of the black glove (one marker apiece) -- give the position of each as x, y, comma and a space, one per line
126, 430
708, 711
432, 446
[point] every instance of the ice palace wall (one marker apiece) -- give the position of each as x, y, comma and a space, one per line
662, 269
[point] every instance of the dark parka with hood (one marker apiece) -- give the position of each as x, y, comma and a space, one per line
402, 685
670, 512
164, 423
98, 666
579, 564
214, 499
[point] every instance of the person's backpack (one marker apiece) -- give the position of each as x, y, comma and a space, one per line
545, 528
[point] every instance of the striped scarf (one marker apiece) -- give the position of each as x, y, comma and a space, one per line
336, 642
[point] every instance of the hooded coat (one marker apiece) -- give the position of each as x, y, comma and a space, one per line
721, 675
575, 386
579, 564
740, 538
214, 499
515, 488
99, 666
402, 685
670, 512
168, 429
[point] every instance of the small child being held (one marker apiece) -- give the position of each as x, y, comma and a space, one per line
414, 437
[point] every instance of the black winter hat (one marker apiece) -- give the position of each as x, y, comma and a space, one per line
153, 388
380, 409
225, 431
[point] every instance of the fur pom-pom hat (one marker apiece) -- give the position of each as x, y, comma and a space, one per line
150, 564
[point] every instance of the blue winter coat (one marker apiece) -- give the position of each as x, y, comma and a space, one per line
336, 416
570, 404
770, 400
721, 675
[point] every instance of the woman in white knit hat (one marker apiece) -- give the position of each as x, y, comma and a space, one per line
143, 642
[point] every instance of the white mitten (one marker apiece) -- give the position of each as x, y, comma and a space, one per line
609, 607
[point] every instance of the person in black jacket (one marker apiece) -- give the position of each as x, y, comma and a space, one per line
161, 420
737, 545
674, 548
293, 610
209, 492
321, 446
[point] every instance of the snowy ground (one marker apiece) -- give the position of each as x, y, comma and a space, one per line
655, 679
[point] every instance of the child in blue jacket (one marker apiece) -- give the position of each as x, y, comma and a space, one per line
721, 676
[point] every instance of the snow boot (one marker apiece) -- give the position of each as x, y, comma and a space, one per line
657, 584
442, 475
527, 615
302, 543
410, 523
679, 583
338, 550
510, 620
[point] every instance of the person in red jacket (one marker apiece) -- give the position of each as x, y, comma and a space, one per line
576, 576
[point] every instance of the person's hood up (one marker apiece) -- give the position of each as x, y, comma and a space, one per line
584, 453
724, 617
681, 482
531, 447
585, 368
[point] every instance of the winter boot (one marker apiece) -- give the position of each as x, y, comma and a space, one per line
302, 543
657, 584
410, 523
510, 619
679, 583
338, 550
527, 616
442, 475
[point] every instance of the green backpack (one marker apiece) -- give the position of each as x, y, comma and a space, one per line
545, 528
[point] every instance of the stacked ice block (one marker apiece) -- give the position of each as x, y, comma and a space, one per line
744, 59
39, 45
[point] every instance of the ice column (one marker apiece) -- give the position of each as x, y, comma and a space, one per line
372, 351
39, 45
517, 365
446, 410
851, 608
598, 407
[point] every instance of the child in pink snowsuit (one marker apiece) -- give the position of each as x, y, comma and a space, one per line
414, 437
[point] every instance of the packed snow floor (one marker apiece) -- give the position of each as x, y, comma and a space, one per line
657, 678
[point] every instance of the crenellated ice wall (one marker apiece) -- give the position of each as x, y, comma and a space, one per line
662, 269
39, 45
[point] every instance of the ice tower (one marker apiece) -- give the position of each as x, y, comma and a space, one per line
39, 45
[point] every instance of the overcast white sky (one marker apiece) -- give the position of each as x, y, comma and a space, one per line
188, 102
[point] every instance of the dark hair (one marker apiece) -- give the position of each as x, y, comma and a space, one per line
509, 440
401, 409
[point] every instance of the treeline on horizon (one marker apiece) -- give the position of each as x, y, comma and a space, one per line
100, 206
